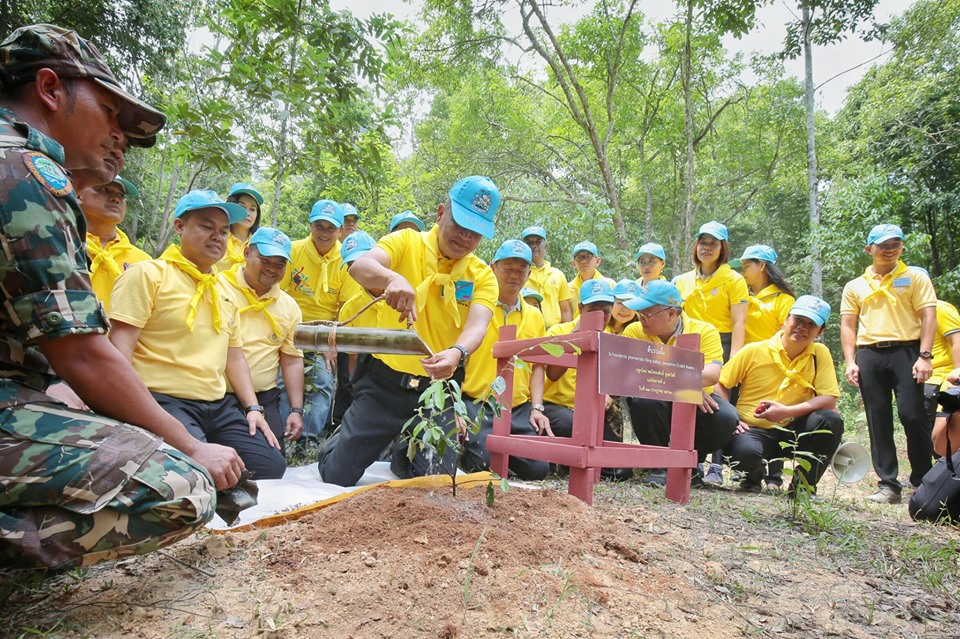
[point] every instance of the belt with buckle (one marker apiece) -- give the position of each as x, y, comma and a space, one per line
403, 380
881, 345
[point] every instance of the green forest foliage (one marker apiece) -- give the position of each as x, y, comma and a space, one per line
584, 126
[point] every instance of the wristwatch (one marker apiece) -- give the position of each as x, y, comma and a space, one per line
926, 355
298, 411
539, 407
464, 354
253, 408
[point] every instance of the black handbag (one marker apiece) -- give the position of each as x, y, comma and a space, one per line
938, 498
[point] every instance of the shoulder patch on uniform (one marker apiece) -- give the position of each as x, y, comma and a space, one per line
48, 173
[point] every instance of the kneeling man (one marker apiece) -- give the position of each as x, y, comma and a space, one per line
788, 393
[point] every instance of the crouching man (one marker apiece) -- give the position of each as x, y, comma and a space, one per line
788, 393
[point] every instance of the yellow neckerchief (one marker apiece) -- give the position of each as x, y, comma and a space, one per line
205, 282
446, 281
771, 290
323, 265
702, 283
792, 369
540, 275
235, 249
885, 282
235, 276
102, 256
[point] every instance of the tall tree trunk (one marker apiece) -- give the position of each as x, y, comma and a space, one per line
284, 122
686, 220
816, 270
163, 232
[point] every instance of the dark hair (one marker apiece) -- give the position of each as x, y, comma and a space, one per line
724, 251
235, 199
778, 279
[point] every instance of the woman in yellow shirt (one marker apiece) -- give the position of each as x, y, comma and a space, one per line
651, 259
245, 195
771, 296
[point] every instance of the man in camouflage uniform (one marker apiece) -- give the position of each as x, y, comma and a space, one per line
76, 487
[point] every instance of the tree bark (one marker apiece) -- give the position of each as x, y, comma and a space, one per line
816, 269
684, 243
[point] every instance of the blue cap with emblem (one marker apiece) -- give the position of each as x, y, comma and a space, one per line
715, 229
883, 232
206, 199
656, 293
529, 292
651, 248
245, 188
586, 247
626, 289
596, 291
355, 245
406, 216
350, 209
327, 211
271, 242
537, 231
758, 252
514, 248
811, 307
474, 202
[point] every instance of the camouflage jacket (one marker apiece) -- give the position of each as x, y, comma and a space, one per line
45, 289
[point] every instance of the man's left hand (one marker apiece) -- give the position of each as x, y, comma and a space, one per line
294, 427
922, 370
256, 420
443, 364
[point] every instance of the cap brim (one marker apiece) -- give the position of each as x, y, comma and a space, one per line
889, 236
598, 298
269, 250
326, 218
713, 234
254, 194
138, 120
129, 190
639, 304
235, 212
736, 263
810, 315
471, 221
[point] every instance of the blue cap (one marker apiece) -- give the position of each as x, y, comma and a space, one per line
271, 242
514, 248
656, 293
883, 232
245, 188
651, 248
129, 189
589, 247
350, 209
529, 292
596, 291
327, 211
760, 252
406, 216
811, 307
475, 200
355, 245
626, 289
539, 231
205, 199
716, 229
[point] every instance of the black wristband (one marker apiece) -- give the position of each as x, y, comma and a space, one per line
298, 411
253, 408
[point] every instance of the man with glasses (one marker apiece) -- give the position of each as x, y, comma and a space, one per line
547, 280
315, 281
887, 325
660, 309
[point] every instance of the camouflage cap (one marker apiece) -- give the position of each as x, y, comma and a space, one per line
45, 46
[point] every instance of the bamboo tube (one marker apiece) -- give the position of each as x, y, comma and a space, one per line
381, 341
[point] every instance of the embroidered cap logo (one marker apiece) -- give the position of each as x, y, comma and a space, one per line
481, 202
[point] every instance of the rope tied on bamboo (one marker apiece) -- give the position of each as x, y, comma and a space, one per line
333, 324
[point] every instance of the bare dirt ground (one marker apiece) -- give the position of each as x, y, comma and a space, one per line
414, 563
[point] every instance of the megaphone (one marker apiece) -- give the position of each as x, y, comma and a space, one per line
850, 463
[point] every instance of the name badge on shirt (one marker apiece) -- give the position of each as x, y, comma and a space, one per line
464, 290
901, 282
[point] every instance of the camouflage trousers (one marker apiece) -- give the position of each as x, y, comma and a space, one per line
77, 488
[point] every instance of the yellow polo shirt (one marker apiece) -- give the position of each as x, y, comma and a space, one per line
886, 306
304, 275
710, 344
574, 286
766, 313
481, 367
563, 390
234, 255
155, 296
948, 323
108, 262
764, 372
709, 299
262, 344
551, 283
413, 255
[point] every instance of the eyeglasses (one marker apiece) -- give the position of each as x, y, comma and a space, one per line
646, 316
583, 257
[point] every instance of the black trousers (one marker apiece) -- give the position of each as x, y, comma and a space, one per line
651, 424
222, 422
476, 457
749, 450
886, 373
384, 401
